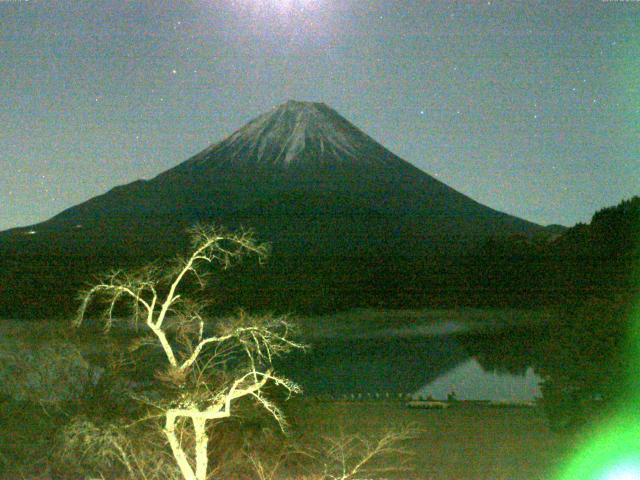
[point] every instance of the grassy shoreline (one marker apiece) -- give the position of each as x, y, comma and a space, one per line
469, 442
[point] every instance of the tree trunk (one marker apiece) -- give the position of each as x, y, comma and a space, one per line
202, 441
176, 448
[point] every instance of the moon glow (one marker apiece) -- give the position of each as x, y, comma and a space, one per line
285, 7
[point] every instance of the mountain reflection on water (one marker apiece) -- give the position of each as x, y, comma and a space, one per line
488, 365
470, 381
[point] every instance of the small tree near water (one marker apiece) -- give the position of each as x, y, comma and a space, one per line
209, 366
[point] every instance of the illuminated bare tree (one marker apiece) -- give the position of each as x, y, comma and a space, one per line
352, 457
344, 457
194, 347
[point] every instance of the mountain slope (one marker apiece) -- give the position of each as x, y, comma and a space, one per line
299, 161
343, 213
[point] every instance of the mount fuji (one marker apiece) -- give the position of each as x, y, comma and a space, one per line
302, 176
299, 164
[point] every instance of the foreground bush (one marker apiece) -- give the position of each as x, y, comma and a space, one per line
208, 366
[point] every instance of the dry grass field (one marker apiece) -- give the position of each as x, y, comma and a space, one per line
464, 442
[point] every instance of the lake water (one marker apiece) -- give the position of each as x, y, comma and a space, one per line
421, 365
489, 365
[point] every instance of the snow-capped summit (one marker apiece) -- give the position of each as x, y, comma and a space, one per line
294, 128
292, 134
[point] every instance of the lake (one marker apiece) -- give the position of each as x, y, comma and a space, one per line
432, 360
490, 365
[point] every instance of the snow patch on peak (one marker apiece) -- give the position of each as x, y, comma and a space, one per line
299, 104
291, 128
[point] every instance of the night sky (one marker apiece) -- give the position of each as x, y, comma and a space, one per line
532, 108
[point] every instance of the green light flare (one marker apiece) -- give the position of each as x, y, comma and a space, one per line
633, 375
612, 449
624, 471
612, 452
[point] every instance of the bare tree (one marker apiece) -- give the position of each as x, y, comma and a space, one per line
342, 457
354, 456
198, 351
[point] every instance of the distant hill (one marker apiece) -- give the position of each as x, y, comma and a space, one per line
334, 203
613, 232
569, 265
